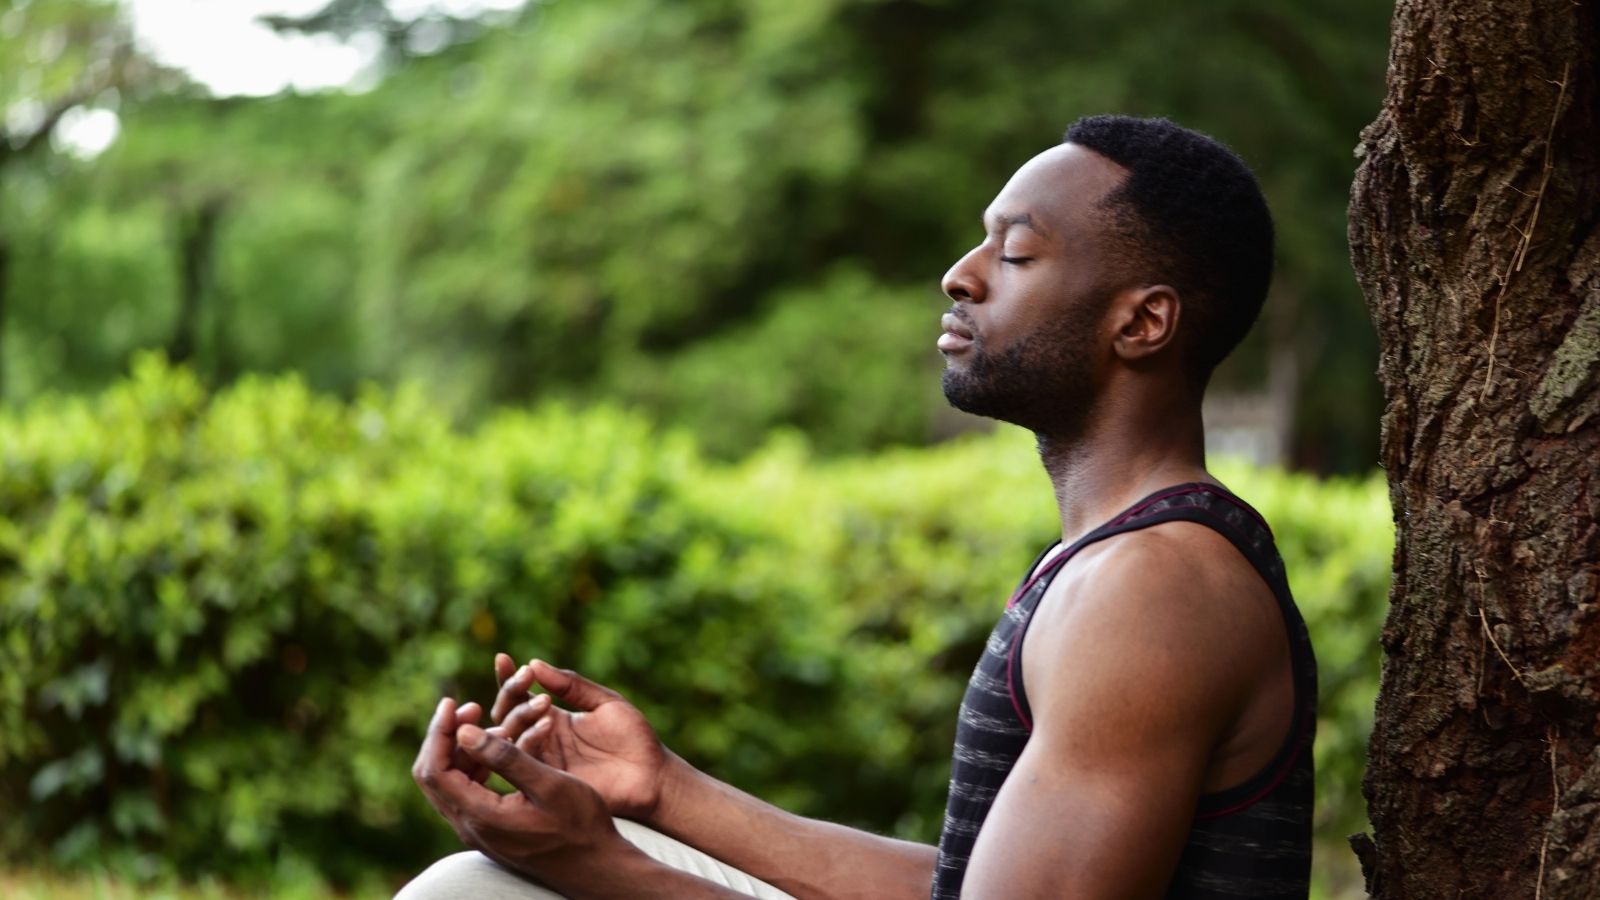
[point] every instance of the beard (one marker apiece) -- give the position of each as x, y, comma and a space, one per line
1044, 383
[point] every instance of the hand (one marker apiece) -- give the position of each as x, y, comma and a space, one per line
551, 828
606, 741
472, 714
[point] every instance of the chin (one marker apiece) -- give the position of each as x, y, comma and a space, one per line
1043, 407
971, 395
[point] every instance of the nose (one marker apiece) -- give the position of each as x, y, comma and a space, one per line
962, 282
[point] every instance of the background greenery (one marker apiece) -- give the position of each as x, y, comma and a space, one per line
227, 617
650, 201
600, 330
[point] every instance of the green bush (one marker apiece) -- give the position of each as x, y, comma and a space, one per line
225, 619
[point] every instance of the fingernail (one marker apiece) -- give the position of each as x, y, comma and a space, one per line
471, 736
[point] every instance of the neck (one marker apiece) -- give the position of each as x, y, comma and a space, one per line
1111, 464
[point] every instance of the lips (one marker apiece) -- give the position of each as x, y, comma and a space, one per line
957, 336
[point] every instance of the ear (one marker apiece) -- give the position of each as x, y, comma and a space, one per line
1146, 320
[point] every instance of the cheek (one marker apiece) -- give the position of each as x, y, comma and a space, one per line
1030, 307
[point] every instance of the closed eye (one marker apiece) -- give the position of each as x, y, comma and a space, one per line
1016, 260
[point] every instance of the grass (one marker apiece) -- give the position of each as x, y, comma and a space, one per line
38, 885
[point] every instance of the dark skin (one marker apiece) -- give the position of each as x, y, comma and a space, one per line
554, 828
604, 744
1157, 665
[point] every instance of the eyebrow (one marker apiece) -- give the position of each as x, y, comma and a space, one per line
1004, 222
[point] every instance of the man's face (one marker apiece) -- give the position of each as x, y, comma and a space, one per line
1022, 341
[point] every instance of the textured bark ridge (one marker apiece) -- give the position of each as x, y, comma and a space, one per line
1475, 232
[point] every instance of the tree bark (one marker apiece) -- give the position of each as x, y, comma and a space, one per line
1473, 229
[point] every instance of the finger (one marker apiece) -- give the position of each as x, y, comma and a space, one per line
513, 690
434, 757
462, 800
466, 765
532, 742
573, 689
525, 716
468, 714
533, 778
463, 762
504, 665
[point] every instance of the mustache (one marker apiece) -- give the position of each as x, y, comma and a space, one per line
958, 312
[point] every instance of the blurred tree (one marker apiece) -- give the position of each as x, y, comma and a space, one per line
614, 183
55, 58
402, 38
259, 200
653, 200
1473, 225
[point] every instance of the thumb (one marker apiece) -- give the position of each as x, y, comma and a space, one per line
533, 778
572, 688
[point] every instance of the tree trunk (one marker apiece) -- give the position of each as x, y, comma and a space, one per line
1473, 228
5, 282
195, 268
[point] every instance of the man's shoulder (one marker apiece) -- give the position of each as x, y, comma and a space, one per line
1172, 606
1182, 568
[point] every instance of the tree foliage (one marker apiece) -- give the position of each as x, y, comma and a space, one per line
619, 198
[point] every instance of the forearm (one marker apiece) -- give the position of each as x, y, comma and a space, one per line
807, 858
624, 872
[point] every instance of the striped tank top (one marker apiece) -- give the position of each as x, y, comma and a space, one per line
1251, 840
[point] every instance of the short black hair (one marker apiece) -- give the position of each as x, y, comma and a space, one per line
1192, 215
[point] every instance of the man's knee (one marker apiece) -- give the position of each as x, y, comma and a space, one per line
469, 874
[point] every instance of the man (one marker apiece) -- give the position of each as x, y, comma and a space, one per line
1141, 720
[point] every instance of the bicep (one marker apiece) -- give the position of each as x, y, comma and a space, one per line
1131, 693
1062, 827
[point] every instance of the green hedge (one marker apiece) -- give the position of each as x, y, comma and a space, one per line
225, 618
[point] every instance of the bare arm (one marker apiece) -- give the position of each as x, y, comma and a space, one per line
1136, 674
804, 857
606, 742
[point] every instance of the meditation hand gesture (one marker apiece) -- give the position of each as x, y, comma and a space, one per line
603, 740
548, 827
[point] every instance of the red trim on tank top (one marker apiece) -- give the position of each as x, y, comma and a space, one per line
1219, 493
1011, 678
1253, 799
1050, 566
1061, 558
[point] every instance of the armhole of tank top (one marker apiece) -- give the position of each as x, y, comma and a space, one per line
1045, 555
1241, 796
1046, 570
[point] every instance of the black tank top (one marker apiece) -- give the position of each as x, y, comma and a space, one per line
1252, 840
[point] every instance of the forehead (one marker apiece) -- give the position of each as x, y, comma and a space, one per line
1058, 189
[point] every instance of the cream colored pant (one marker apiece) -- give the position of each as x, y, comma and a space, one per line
473, 876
